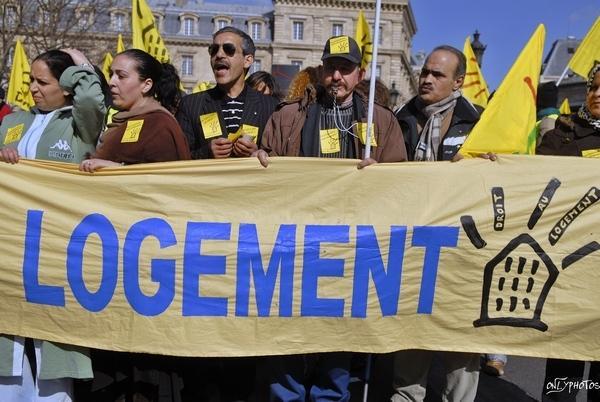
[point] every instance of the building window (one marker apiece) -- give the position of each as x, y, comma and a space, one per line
256, 30
221, 23
83, 19
298, 30
11, 16
256, 66
337, 30
188, 26
297, 63
119, 22
11, 53
45, 18
378, 71
158, 18
380, 39
187, 65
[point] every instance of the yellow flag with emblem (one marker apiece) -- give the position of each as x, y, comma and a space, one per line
565, 108
144, 32
363, 39
474, 88
120, 45
18, 86
508, 124
588, 51
108, 59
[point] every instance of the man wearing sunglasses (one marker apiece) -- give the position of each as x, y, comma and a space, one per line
227, 120
329, 122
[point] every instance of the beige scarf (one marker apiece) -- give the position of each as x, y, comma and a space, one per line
429, 140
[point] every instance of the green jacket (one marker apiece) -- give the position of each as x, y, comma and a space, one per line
58, 360
72, 132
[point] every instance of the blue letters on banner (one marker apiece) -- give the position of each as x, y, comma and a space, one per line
34, 291
162, 270
433, 238
368, 260
196, 264
315, 267
249, 260
99, 224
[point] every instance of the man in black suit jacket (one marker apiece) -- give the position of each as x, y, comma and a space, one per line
227, 120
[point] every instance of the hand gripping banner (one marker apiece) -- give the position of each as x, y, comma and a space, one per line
226, 258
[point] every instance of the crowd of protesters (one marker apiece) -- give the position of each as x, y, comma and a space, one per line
321, 115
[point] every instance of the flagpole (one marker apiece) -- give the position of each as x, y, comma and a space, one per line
373, 78
562, 75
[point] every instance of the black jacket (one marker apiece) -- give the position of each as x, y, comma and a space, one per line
572, 136
257, 110
464, 117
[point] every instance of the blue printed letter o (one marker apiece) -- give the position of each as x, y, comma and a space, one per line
100, 225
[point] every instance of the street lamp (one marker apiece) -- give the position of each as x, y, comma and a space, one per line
478, 47
394, 94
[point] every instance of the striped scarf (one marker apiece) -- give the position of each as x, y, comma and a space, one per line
430, 138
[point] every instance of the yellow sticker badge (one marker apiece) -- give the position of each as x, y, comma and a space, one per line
330, 141
251, 131
591, 153
132, 131
14, 133
339, 45
234, 136
362, 132
210, 125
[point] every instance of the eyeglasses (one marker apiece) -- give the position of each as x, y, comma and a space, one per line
228, 48
343, 66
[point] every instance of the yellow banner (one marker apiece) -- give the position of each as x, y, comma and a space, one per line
508, 125
108, 59
363, 38
120, 45
588, 52
18, 93
144, 32
226, 258
474, 88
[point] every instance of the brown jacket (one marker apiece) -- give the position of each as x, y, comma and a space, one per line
159, 138
282, 135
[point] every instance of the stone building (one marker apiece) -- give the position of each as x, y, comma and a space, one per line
284, 31
572, 86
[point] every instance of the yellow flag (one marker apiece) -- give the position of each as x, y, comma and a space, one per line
588, 51
474, 88
144, 32
18, 85
565, 108
108, 59
202, 86
363, 39
120, 45
508, 124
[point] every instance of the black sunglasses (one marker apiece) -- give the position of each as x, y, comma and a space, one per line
228, 48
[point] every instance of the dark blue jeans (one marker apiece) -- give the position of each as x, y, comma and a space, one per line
327, 375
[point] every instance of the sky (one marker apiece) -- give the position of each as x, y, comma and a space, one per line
505, 26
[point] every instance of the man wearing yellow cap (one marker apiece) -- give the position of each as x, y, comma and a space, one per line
328, 122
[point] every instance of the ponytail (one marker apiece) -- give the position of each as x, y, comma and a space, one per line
168, 91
